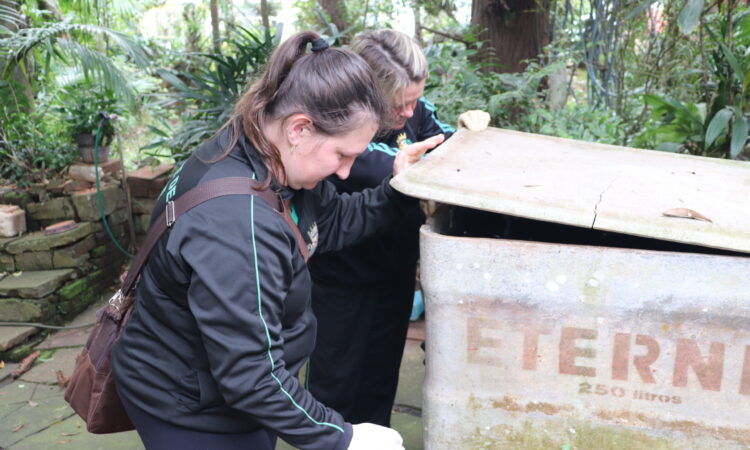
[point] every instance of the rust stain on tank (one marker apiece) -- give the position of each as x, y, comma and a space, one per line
510, 404
684, 426
507, 403
622, 416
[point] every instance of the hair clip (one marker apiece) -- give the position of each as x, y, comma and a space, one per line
319, 44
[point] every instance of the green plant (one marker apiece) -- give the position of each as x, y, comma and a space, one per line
576, 121
205, 98
718, 127
456, 83
83, 110
731, 67
678, 126
32, 145
68, 43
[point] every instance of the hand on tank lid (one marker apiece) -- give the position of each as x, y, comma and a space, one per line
474, 120
412, 153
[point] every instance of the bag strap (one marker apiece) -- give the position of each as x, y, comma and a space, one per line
194, 197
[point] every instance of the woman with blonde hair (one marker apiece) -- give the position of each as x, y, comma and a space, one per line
362, 296
222, 321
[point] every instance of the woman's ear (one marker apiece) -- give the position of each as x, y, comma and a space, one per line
298, 127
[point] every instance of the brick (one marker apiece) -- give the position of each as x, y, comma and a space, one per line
149, 173
120, 232
85, 172
73, 255
147, 182
34, 284
87, 204
20, 198
141, 223
143, 205
12, 336
118, 216
7, 263
112, 167
5, 241
59, 208
146, 188
39, 241
18, 310
12, 220
76, 185
41, 260
59, 227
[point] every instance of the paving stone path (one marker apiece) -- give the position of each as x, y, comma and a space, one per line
34, 415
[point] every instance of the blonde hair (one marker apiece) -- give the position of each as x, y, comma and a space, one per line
395, 58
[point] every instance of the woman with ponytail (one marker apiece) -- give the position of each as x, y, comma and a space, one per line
222, 321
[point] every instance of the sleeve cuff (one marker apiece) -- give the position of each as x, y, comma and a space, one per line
346, 439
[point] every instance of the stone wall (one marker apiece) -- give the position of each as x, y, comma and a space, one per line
50, 277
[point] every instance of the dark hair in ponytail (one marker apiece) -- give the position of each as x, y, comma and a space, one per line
333, 86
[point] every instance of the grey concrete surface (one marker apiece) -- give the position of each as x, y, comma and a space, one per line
34, 415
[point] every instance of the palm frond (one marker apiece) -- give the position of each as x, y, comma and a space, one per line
24, 40
99, 67
10, 17
57, 41
122, 8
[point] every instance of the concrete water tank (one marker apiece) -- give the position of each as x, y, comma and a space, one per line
581, 295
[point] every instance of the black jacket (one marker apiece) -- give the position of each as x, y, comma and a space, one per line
383, 257
222, 322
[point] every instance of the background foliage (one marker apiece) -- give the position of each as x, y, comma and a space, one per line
671, 75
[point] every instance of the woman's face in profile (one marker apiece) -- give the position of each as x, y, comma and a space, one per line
404, 103
318, 156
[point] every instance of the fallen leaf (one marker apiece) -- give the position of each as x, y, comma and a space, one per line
685, 213
25, 365
2, 364
18, 274
33, 404
64, 441
62, 380
19, 427
69, 434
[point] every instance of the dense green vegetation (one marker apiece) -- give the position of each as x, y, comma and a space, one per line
672, 75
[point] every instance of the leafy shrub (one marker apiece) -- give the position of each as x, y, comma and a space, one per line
205, 97
32, 145
82, 108
456, 83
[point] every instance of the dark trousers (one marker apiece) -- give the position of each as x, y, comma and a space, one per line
361, 334
159, 435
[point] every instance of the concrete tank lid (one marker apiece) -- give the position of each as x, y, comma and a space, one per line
639, 192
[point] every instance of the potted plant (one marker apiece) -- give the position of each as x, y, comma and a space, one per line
87, 111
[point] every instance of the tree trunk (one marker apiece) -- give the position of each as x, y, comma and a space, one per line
264, 14
337, 11
214, 4
227, 12
515, 30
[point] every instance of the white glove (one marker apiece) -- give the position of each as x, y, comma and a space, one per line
474, 120
368, 436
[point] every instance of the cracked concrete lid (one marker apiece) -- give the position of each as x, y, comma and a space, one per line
680, 198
